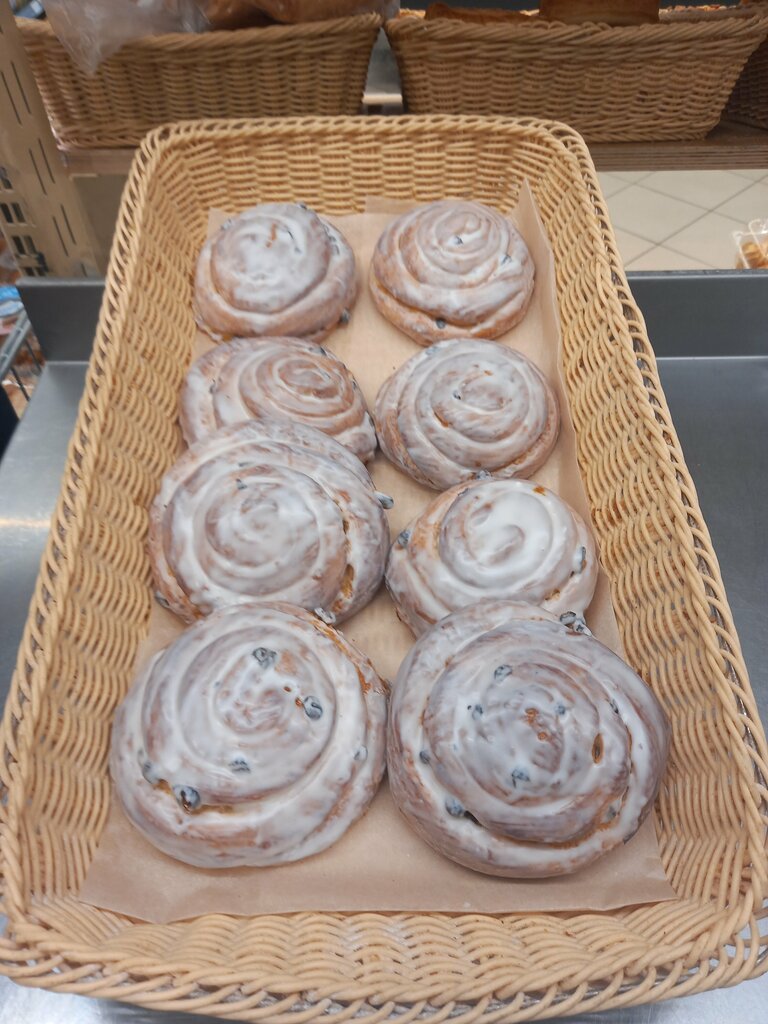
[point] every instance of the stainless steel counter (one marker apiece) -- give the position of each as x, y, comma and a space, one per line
709, 332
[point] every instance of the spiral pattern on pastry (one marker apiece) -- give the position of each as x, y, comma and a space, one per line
257, 737
277, 269
452, 269
466, 407
268, 510
278, 377
518, 747
504, 539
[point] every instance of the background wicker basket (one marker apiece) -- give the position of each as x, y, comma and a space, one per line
749, 99
93, 599
669, 80
281, 71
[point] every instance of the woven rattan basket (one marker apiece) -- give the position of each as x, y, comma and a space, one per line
749, 99
280, 71
645, 82
92, 604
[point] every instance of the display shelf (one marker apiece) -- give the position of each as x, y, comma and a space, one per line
729, 146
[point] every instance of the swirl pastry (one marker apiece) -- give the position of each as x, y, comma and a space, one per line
508, 539
279, 377
268, 510
257, 737
277, 269
520, 748
466, 407
452, 269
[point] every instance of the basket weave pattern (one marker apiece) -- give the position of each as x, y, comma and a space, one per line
93, 597
749, 99
280, 71
748, 103
646, 82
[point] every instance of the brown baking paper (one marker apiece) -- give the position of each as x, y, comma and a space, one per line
380, 864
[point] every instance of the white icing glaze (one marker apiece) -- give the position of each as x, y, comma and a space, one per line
505, 539
276, 269
466, 406
267, 510
461, 263
266, 719
287, 377
520, 748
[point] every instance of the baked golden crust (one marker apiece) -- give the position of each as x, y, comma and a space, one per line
610, 12
476, 15
232, 14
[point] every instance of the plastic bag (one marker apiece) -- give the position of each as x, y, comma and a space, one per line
91, 30
752, 245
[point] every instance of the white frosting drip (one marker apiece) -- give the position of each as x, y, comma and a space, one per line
268, 510
518, 747
504, 539
267, 723
461, 263
284, 377
276, 269
466, 406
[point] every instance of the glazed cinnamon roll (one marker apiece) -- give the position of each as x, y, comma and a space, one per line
277, 269
280, 377
463, 408
257, 737
452, 269
518, 747
268, 510
508, 539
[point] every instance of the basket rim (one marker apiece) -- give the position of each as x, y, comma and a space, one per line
731, 23
43, 32
66, 969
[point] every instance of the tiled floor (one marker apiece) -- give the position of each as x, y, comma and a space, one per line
682, 220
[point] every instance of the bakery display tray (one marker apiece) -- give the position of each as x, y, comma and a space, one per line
92, 601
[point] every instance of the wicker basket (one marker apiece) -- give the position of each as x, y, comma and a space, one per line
281, 71
93, 598
749, 99
670, 80
748, 103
